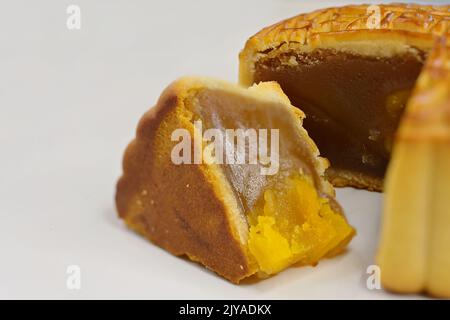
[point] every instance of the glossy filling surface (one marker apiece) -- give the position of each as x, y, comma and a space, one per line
352, 103
288, 220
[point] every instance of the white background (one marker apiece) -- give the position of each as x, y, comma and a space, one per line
69, 104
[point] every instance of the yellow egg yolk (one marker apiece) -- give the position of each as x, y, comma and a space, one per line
293, 224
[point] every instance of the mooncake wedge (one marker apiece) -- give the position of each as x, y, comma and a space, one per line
228, 177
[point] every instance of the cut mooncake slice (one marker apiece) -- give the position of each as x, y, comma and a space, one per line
228, 177
351, 70
414, 252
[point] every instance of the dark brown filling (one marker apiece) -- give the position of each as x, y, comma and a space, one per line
353, 103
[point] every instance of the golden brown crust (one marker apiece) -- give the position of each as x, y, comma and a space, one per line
407, 23
413, 252
346, 28
428, 113
399, 25
148, 196
411, 18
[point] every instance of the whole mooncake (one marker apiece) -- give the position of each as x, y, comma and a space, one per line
351, 70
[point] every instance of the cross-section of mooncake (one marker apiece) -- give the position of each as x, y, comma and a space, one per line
228, 177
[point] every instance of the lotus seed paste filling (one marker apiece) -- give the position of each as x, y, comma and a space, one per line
288, 220
352, 103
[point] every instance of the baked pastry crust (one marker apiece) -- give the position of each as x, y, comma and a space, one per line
413, 253
403, 29
190, 209
149, 198
402, 26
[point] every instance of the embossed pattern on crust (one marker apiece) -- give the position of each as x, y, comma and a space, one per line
398, 17
406, 23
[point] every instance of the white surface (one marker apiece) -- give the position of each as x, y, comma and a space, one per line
69, 104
